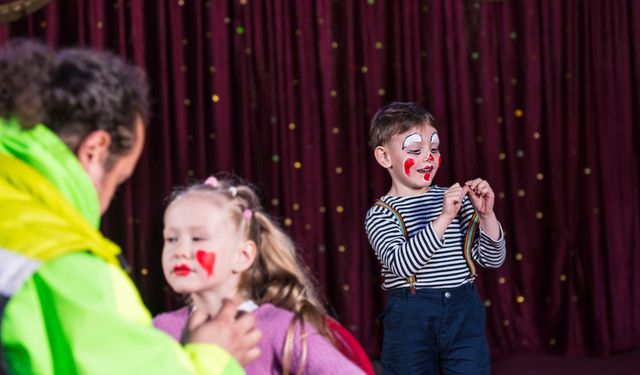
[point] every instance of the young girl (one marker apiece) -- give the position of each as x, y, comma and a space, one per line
219, 244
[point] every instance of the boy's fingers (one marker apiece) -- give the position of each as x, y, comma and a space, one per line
483, 185
473, 183
452, 195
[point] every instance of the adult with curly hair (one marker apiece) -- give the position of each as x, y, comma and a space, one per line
72, 130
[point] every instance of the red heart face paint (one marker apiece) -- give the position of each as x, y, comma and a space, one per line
207, 260
408, 163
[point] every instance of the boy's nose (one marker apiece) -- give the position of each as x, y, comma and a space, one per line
430, 157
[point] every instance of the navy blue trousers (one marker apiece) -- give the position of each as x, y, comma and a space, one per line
435, 328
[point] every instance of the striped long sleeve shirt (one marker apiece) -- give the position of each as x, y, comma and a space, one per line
436, 263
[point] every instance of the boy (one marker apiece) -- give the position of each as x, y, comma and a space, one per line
425, 237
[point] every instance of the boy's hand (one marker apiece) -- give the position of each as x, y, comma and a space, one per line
481, 195
239, 336
453, 200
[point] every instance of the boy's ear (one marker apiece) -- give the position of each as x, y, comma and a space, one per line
245, 256
382, 156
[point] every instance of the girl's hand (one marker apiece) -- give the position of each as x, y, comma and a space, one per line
481, 196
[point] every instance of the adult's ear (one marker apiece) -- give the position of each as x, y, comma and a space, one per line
383, 157
245, 257
93, 152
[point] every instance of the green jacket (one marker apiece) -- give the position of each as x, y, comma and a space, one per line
71, 308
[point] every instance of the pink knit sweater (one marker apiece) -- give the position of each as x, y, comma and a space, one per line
322, 357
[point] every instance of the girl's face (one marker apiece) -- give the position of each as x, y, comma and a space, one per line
202, 248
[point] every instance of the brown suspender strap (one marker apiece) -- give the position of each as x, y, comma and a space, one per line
381, 203
472, 230
411, 280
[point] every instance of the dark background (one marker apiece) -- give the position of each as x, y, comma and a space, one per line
541, 98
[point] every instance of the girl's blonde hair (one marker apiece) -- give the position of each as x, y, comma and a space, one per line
276, 275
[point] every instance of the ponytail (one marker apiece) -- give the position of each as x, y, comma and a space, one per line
277, 277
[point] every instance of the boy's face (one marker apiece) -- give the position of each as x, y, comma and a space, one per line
412, 157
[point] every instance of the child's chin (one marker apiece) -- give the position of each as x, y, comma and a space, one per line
428, 183
182, 289
424, 183
421, 185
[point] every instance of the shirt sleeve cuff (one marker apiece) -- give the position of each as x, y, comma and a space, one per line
432, 237
212, 359
488, 238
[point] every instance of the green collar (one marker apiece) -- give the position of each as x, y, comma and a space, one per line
45, 152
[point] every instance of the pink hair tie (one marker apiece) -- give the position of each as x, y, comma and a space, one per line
212, 181
247, 214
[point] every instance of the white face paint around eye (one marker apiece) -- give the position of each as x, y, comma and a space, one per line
413, 138
435, 138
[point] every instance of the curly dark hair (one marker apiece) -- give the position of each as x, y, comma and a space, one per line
73, 92
25, 68
92, 90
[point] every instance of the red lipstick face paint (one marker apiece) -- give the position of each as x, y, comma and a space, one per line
181, 270
427, 176
207, 260
408, 163
430, 158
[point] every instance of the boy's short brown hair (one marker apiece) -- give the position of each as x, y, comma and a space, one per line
395, 118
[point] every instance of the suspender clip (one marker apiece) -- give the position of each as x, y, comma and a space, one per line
412, 284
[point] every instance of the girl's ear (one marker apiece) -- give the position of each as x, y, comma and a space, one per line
245, 256
382, 156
